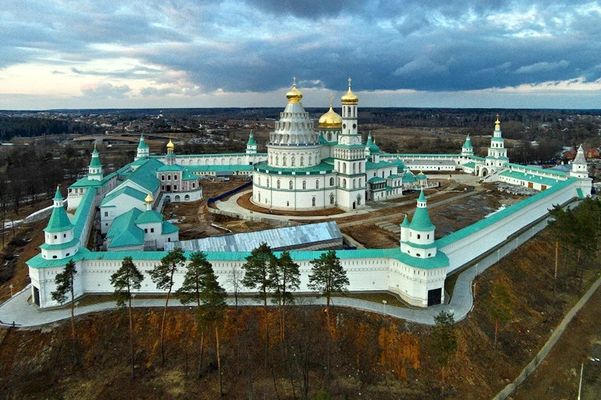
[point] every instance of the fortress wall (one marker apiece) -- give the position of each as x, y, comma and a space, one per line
468, 243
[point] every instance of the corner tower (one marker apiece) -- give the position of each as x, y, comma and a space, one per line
59, 240
467, 149
251, 145
579, 167
417, 237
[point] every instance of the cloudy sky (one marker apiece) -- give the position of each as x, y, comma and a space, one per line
186, 53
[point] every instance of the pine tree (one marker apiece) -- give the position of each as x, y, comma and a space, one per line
444, 340
213, 298
190, 292
162, 276
284, 275
124, 280
257, 271
64, 285
327, 276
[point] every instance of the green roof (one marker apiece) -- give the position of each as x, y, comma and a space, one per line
405, 222
376, 179
215, 168
125, 190
317, 169
59, 220
170, 168
189, 176
371, 145
145, 175
251, 139
382, 164
61, 246
468, 143
408, 177
439, 261
142, 144
95, 161
421, 219
124, 232
168, 228
530, 178
149, 217
470, 164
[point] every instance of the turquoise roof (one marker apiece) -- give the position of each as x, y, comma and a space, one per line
214, 168
189, 176
167, 228
408, 177
470, 164
125, 190
149, 217
405, 222
530, 178
124, 232
421, 219
95, 161
382, 164
142, 144
145, 175
59, 220
468, 143
421, 176
376, 179
537, 170
439, 261
62, 246
317, 169
371, 145
251, 139
170, 168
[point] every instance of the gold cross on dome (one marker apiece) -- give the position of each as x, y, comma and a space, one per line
294, 81
349, 82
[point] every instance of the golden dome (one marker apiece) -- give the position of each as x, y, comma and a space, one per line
349, 97
170, 145
331, 119
148, 199
497, 122
294, 95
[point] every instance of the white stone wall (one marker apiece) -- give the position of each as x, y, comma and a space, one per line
295, 192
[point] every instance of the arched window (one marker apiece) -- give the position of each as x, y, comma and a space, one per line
332, 181
344, 168
302, 161
313, 201
331, 198
354, 168
354, 183
284, 160
317, 184
278, 184
344, 183
310, 160
259, 197
304, 185
292, 160
277, 160
290, 185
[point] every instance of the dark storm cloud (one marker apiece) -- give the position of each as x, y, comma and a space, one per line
259, 45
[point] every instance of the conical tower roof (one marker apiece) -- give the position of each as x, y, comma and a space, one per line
59, 220
421, 218
580, 159
251, 139
95, 160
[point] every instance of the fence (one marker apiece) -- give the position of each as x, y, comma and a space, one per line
223, 195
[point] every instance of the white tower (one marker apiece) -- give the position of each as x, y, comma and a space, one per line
143, 151
467, 149
417, 237
579, 167
59, 240
497, 153
95, 167
251, 145
349, 118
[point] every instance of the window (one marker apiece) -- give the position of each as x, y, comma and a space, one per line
284, 161
162, 177
106, 213
278, 184
55, 237
174, 187
317, 184
151, 230
68, 254
169, 177
418, 235
331, 198
145, 230
313, 201
302, 161
64, 235
304, 185
332, 181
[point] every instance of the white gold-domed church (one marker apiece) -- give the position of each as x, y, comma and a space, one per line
309, 169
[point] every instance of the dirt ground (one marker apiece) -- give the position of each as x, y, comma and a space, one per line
558, 376
244, 201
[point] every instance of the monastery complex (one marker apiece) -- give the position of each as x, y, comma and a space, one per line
305, 168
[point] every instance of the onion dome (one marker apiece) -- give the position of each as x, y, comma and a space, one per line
331, 119
149, 198
170, 145
498, 123
349, 97
294, 95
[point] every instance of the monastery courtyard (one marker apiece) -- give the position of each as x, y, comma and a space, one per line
458, 202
